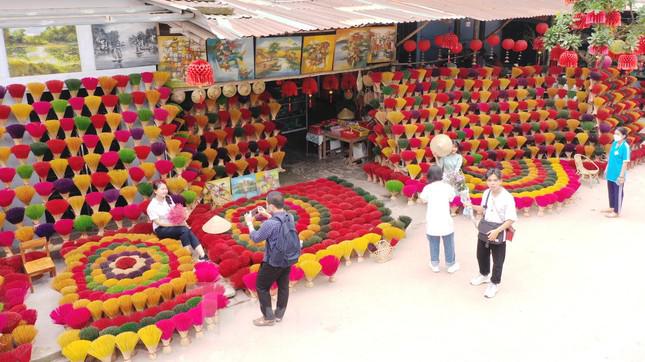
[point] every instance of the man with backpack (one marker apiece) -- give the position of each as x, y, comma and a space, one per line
281, 250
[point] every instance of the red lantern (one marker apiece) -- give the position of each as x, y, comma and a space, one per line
580, 22
641, 45
410, 45
309, 87
476, 45
628, 62
450, 40
348, 81
541, 28
538, 44
330, 84
596, 17
493, 40
424, 45
458, 48
508, 44
568, 59
520, 46
199, 73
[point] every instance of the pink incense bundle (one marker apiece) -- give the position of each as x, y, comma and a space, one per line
90, 141
122, 136
6, 238
160, 116
93, 199
59, 315
136, 174
250, 281
57, 207
67, 124
90, 84
197, 318
147, 78
129, 118
5, 111
42, 109
109, 159
330, 265
295, 275
183, 322
177, 214
118, 214
167, 327
77, 104
64, 227
164, 167
164, 94
44, 189
78, 318
206, 272
132, 212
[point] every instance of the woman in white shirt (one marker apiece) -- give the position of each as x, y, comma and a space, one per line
158, 210
439, 225
498, 207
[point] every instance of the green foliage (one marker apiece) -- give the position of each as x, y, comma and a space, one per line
89, 333
559, 34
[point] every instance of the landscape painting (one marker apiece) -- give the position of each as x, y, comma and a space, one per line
218, 192
318, 53
267, 180
352, 48
278, 57
244, 186
42, 50
125, 45
382, 44
232, 60
175, 54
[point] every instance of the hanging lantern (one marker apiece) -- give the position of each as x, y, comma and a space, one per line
289, 89
330, 84
520, 46
309, 87
580, 22
508, 45
492, 41
541, 28
628, 62
568, 59
538, 46
475, 45
199, 73
410, 46
614, 19
424, 46
596, 17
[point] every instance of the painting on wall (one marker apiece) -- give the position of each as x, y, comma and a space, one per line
382, 44
318, 53
244, 186
175, 54
42, 50
232, 60
218, 192
352, 48
125, 45
267, 180
278, 57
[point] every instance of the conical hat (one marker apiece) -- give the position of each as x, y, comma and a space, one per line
216, 225
346, 114
259, 87
244, 89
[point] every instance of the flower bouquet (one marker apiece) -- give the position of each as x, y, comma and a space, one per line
458, 182
177, 215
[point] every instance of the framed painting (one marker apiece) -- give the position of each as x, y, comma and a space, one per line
318, 53
352, 48
232, 60
42, 50
244, 186
267, 180
125, 45
218, 192
175, 54
382, 44
278, 57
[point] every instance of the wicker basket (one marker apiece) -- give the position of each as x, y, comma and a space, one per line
383, 251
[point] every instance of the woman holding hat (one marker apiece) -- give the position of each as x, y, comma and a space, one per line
452, 174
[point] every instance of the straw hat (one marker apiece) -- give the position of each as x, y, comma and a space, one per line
229, 90
259, 87
214, 92
244, 89
178, 96
346, 114
216, 225
198, 95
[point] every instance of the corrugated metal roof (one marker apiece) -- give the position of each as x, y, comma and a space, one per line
266, 17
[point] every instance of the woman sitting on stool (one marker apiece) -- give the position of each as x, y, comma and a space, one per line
158, 210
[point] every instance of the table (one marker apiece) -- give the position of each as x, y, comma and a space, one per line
350, 142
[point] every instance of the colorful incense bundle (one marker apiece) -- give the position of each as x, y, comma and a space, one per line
150, 336
21, 111
76, 351
42, 109
25, 193
17, 92
167, 328
64, 227
127, 342
102, 348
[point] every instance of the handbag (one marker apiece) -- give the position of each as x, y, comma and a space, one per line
486, 226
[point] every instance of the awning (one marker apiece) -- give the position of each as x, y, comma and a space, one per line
239, 18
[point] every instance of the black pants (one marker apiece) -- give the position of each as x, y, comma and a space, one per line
267, 275
178, 232
483, 258
615, 196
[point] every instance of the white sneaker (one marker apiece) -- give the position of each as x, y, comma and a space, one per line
453, 268
434, 268
491, 290
480, 279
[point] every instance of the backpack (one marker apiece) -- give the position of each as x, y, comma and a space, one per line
287, 249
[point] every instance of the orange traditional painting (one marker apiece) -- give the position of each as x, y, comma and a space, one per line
352, 48
318, 53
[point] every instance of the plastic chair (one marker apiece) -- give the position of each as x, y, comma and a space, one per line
590, 174
39, 266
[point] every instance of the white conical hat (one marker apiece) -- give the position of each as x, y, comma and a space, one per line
217, 225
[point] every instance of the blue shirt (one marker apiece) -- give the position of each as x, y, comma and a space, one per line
270, 232
617, 156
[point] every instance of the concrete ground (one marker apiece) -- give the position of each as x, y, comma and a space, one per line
571, 290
